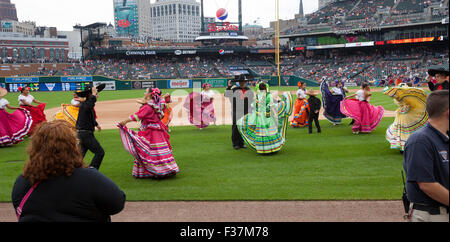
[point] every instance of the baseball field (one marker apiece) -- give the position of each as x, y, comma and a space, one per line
335, 165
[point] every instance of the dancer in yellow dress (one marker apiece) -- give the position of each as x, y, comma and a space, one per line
69, 112
410, 116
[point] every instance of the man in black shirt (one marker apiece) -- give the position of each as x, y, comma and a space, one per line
241, 99
86, 125
314, 105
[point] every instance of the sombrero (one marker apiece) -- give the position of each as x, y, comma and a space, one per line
435, 69
243, 78
88, 90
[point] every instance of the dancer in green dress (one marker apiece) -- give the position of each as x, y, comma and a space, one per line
265, 129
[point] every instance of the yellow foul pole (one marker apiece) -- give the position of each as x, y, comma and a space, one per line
277, 41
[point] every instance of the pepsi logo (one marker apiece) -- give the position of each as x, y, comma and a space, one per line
221, 51
222, 14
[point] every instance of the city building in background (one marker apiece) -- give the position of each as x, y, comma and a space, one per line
132, 18
74, 41
25, 49
12, 26
176, 20
8, 10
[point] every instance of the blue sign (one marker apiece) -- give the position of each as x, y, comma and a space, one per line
50, 87
76, 79
22, 80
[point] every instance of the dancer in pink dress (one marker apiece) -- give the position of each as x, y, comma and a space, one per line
200, 107
13, 127
150, 146
26, 101
366, 116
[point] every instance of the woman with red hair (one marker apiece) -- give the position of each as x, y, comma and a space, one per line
56, 185
150, 146
26, 101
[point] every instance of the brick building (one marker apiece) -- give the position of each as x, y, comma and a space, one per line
8, 10
23, 49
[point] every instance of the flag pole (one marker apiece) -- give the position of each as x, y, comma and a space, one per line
277, 41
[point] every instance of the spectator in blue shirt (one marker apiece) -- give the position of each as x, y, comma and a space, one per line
426, 164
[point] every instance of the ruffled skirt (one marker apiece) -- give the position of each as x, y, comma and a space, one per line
301, 114
201, 114
152, 153
410, 116
367, 117
68, 113
14, 127
267, 134
332, 104
37, 114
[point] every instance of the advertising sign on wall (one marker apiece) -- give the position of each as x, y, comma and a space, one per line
143, 85
215, 83
179, 84
110, 85
22, 79
76, 79
50, 87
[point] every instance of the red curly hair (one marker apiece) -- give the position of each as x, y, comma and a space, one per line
53, 151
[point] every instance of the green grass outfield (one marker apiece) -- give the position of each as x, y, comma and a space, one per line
334, 165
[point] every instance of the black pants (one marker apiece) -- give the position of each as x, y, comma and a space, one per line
314, 117
236, 137
89, 142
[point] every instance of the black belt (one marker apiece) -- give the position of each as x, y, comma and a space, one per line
433, 210
82, 130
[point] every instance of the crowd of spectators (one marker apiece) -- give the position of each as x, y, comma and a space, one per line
355, 14
382, 66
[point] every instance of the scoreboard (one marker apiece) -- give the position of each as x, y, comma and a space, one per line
49, 87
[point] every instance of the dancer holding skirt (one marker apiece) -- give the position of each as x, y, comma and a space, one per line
150, 147
366, 116
13, 127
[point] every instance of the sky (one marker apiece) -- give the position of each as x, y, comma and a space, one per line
64, 14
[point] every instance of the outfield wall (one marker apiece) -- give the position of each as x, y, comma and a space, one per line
77, 83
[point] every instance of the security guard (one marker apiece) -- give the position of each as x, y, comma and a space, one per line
426, 164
